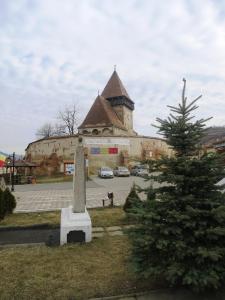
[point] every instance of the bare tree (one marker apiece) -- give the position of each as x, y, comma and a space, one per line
59, 130
45, 131
69, 119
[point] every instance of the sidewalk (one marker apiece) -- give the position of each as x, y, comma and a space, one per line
46, 197
47, 200
98, 232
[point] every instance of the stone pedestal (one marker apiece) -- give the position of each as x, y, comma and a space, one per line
75, 227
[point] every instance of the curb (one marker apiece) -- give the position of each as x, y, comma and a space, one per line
120, 297
28, 227
133, 296
167, 294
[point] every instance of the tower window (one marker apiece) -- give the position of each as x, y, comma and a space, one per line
106, 131
95, 132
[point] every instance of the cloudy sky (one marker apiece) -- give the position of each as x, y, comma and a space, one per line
54, 53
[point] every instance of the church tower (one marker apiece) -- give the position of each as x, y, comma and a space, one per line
111, 112
120, 101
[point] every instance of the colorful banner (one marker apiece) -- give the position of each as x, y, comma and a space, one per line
2, 159
96, 150
113, 150
104, 151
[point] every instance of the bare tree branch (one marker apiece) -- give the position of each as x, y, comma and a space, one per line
45, 131
59, 130
69, 119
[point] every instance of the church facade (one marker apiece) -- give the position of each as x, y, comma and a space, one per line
108, 136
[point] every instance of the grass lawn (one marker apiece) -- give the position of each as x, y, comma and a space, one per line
99, 216
96, 269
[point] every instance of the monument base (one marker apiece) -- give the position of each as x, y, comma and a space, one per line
75, 227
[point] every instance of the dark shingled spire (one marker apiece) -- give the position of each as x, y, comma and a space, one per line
101, 114
114, 88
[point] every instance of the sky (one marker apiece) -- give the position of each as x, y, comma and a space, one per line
56, 53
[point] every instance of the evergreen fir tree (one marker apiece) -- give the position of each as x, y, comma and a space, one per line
132, 200
182, 224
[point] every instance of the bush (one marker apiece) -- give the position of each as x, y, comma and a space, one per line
2, 205
132, 200
10, 201
7, 203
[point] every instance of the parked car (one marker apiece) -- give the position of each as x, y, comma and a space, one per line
105, 172
139, 170
121, 171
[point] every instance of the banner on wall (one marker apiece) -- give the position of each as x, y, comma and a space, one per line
97, 150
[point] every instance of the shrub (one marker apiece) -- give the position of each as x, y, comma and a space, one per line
7, 203
2, 205
132, 200
10, 201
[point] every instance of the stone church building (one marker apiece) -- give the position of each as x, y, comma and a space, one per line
108, 135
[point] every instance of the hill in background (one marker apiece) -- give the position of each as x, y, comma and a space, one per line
213, 134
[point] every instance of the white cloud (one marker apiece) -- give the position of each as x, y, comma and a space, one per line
55, 52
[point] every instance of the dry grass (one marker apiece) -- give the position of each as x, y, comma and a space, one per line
97, 269
108, 217
100, 217
54, 179
26, 219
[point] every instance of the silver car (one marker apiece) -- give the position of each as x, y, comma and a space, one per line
139, 170
105, 172
121, 171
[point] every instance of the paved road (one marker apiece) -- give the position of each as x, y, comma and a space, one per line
51, 196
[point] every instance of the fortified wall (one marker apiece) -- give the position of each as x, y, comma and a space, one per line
108, 136
56, 154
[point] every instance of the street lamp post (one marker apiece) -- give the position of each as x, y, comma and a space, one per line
13, 169
10, 163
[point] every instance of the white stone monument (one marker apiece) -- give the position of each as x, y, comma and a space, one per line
75, 219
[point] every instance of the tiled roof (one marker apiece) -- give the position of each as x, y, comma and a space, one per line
101, 114
114, 87
21, 163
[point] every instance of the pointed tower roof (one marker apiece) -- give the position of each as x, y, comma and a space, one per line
101, 114
114, 87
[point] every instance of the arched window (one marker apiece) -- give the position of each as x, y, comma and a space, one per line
95, 132
106, 131
85, 132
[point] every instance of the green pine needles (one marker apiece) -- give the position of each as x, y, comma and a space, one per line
181, 236
132, 199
